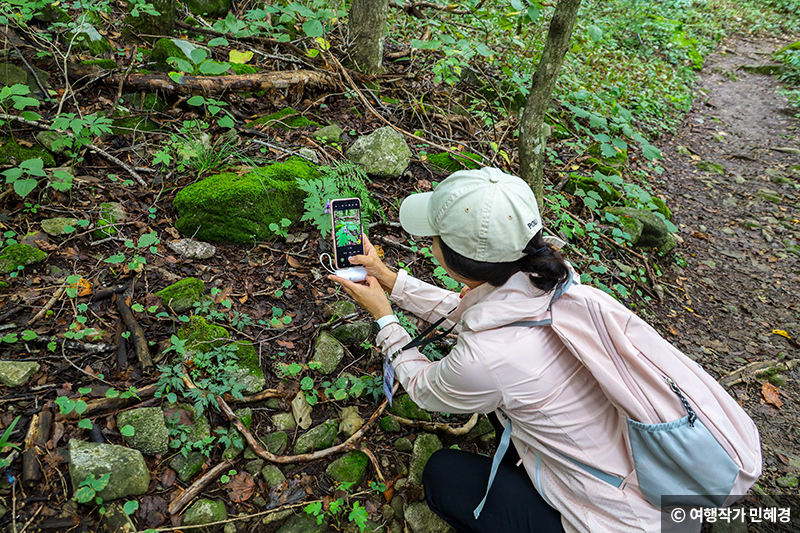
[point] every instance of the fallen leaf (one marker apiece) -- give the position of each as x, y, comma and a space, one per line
301, 410
83, 286
289, 345
673, 331
781, 333
173, 232
241, 487
243, 299
771, 394
167, 478
294, 263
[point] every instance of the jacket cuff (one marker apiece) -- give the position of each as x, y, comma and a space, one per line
399, 285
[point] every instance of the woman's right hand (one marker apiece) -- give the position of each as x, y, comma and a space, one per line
375, 266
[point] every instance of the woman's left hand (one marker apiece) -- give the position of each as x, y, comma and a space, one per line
369, 296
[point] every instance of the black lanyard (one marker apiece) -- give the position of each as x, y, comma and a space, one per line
420, 339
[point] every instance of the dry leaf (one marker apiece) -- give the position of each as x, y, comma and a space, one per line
771, 394
168, 478
83, 286
289, 345
294, 263
243, 299
173, 232
781, 333
241, 487
301, 410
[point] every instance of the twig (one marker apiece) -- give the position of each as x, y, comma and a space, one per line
374, 462
436, 426
85, 347
183, 500
245, 517
393, 244
31, 519
122, 82
45, 94
263, 395
137, 333
100, 151
49, 305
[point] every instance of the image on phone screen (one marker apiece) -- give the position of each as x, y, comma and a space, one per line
347, 232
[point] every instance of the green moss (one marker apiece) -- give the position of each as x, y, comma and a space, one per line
619, 158
4, 285
447, 162
710, 166
285, 119
12, 153
106, 64
182, 295
608, 193
145, 102
16, 255
233, 208
662, 207
212, 8
165, 48
87, 38
239, 68
249, 374
110, 214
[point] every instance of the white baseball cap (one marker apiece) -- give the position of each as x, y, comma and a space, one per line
485, 215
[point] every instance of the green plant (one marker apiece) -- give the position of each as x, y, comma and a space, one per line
4, 441
198, 64
225, 478
147, 241
281, 230
284, 285
130, 507
88, 488
25, 177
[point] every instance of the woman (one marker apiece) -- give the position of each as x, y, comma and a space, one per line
487, 234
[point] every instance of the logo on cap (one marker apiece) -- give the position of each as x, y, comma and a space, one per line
532, 223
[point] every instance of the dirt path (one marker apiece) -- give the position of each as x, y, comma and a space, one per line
740, 225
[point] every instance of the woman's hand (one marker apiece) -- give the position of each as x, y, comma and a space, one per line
375, 266
370, 296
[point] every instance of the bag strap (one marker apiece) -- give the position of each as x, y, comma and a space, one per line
505, 439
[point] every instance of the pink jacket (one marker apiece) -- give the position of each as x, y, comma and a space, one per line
554, 402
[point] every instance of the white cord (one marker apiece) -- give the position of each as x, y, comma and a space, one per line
330, 262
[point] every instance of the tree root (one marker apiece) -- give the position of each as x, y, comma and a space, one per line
137, 333
436, 426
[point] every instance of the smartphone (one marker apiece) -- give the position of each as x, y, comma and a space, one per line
348, 234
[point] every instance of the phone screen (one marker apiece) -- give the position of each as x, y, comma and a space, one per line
347, 232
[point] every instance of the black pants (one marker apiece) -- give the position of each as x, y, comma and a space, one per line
455, 482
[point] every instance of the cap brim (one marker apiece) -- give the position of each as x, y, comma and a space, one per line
414, 215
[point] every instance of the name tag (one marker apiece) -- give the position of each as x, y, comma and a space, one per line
388, 379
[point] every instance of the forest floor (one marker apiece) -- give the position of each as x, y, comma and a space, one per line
739, 286
740, 226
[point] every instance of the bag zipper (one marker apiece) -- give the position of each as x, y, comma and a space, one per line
684, 401
624, 372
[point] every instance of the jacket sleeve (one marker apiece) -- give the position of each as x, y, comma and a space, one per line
426, 301
458, 383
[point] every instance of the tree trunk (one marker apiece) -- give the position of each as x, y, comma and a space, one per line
367, 28
531, 138
209, 85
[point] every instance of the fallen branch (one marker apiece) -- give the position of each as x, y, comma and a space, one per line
92, 147
374, 461
48, 306
214, 85
437, 426
756, 369
263, 395
137, 333
102, 405
211, 474
85, 347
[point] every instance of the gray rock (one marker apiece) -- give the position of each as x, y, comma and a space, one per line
404, 407
284, 421
254, 467
424, 446
15, 374
304, 523
787, 482
53, 141
328, 134
351, 421
116, 520
110, 213
276, 442
383, 153
205, 511
192, 249
309, 154
349, 468
352, 334
422, 520
199, 429
129, 473
272, 475
398, 506
11, 74
768, 194
339, 309
317, 438
17, 255
55, 226
403, 445
483, 427
188, 467
654, 229
328, 352
150, 436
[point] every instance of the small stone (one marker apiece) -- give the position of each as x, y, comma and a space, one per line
259, 502
349, 468
192, 249
304, 523
404, 407
230, 527
328, 352
352, 334
424, 446
56, 226
182, 295
787, 482
150, 436
284, 421
16, 374
422, 520
682, 150
188, 467
19, 255
254, 467
280, 516
309, 154
205, 511
398, 506
53, 141
383, 153
272, 475
483, 427
339, 309
116, 520
390, 424
276, 442
129, 475
11, 74
403, 445
710, 166
768, 194
272, 403
317, 438
249, 454
328, 134
110, 213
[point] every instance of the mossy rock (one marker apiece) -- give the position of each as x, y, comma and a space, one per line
352, 334
276, 442
447, 162
19, 255
607, 193
240, 68
775, 69
11, 74
165, 48
249, 373
145, 102
52, 13
13, 154
328, 352
237, 444
285, 119
317, 438
272, 475
710, 166
198, 428
52, 141
654, 232
662, 207
424, 446
239, 209
404, 407
617, 159
200, 335
211, 8
150, 436
181, 297
390, 424
110, 214
87, 38
105, 64
349, 468
328, 134
163, 24
205, 511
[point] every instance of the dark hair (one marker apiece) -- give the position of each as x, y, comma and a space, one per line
545, 266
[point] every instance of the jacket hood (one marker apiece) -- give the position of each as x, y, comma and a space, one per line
488, 307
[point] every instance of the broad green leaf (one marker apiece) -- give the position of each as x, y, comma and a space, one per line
198, 55
650, 152
80, 407
127, 431
131, 507
595, 33
533, 14
226, 122
28, 335
218, 41
196, 100
85, 424
214, 68
61, 181
313, 28
84, 494
34, 167
181, 64
21, 102
24, 187
608, 150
